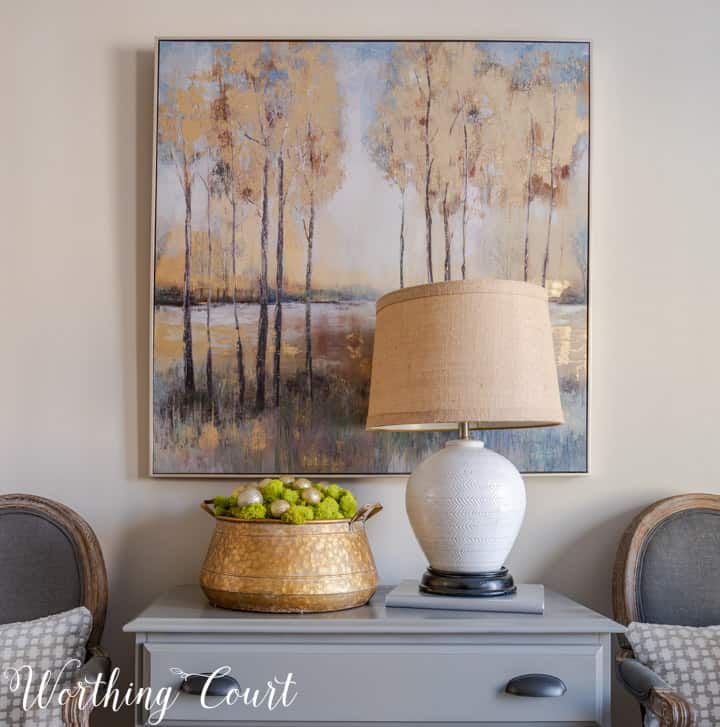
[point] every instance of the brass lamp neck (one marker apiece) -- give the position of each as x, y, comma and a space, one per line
464, 430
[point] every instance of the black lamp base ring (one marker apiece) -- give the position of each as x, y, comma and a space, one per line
470, 585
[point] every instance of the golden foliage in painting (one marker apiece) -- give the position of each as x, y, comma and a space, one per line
209, 437
299, 180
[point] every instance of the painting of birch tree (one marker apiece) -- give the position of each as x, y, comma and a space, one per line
298, 181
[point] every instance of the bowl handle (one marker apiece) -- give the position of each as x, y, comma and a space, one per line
366, 512
205, 505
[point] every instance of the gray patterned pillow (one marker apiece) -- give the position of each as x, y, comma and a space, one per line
44, 644
688, 659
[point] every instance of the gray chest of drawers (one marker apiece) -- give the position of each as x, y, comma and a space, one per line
377, 666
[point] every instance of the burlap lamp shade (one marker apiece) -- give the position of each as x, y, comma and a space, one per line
477, 351
468, 355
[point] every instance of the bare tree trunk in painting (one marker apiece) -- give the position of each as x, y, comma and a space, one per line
402, 238
238, 340
261, 356
225, 274
464, 205
428, 170
526, 256
551, 203
448, 236
187, 322
309, 234
208, 361
280, 251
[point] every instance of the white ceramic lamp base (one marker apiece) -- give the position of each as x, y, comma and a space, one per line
466, 504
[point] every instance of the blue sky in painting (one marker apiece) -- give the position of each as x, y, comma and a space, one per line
509, 52
181, 55
363, 64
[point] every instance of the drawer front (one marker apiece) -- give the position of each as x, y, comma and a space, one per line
379, 683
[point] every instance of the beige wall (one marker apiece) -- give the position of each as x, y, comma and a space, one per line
75, 133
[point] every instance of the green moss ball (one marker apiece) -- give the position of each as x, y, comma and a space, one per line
348, 505
273, 491
298, 514
292, 496
334, 491
254, 511
328, 509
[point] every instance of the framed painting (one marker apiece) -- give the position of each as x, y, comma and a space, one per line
297, 181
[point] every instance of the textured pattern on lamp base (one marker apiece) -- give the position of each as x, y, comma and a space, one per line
466, 504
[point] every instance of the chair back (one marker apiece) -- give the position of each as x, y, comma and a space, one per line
667, 568
50, 561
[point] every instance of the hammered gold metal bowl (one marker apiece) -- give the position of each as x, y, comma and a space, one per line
276, 567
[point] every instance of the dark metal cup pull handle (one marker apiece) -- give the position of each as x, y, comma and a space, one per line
536, 685
220, 686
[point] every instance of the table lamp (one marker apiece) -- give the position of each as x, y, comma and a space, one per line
464, 355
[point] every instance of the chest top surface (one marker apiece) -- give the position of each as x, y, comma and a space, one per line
184, 609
